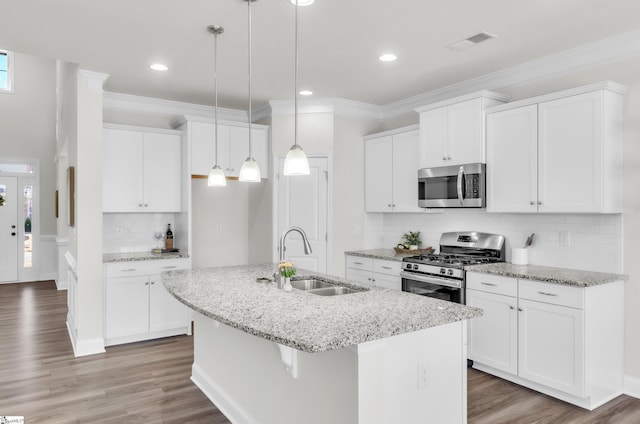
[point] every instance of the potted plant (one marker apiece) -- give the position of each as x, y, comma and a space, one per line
412, 239
287, 271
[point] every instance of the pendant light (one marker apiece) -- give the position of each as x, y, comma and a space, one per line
250, 171
216, 175
296, 162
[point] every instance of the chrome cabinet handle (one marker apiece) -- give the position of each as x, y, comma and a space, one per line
139, 205
532, 203
146, 204
146, 284
547, 293
444, 158
511, 307
153, 282
520, 309
13, 234
386, 267
539, 202
127, 270
358, 263
488, 284
459, 184
448, 157
169, 267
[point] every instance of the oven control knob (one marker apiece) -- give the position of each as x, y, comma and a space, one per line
415, 266
443, 271
450, 272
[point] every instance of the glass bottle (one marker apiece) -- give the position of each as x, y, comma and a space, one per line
168, 238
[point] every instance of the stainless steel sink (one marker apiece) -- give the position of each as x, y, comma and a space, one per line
322, 288
310, 284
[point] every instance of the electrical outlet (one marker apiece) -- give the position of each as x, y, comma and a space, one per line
423, 375
119, 232
564, 238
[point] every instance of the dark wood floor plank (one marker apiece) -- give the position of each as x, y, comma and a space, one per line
149, 382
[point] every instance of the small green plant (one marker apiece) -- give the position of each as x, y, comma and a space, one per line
412, 238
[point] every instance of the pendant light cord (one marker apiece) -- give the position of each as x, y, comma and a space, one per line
295, 97
215, 84
249, 3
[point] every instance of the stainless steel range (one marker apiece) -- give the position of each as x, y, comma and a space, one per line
442, 275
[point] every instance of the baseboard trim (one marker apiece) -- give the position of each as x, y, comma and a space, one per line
632, 386
85, 347
220, 398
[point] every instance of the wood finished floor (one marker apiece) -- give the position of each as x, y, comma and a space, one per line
149, 382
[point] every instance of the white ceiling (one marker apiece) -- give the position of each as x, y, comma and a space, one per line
340, 41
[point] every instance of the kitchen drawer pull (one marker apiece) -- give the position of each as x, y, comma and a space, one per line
128, 270
488, 284
520, 309
511, 307
358, 263
386, 267
547, 293
169, 267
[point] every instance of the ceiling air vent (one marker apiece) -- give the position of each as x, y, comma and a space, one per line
470, 41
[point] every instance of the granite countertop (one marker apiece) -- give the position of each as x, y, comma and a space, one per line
140, 256
562, 276
302, 320
387, 254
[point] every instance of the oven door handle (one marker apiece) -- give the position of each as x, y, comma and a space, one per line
456, 284
459, 185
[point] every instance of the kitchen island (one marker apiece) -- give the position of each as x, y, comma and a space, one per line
263, 355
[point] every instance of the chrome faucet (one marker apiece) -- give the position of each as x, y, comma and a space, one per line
305, 240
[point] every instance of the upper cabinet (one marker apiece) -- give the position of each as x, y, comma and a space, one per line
560, 153
452, 131
391, 171
141, 169
233, 147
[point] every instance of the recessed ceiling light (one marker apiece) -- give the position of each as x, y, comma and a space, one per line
303, 2
388, 57
306, 92
158, 67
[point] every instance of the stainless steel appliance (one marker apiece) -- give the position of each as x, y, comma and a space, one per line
442, 275
458, 186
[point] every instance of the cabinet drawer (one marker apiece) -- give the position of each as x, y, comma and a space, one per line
492, 284
359, 262
554, 294
387, 267
135, 268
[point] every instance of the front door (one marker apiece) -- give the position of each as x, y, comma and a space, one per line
8, 229
302, 202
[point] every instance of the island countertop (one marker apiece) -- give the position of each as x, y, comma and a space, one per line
302, 320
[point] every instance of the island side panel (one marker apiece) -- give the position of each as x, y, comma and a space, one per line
244, 377
373, 383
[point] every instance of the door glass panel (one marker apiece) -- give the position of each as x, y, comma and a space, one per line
19, 168
28, 222
3, 194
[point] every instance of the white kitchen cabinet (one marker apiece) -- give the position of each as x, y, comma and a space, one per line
141, 170
137, 306
391, 172
563, 341
560, 153
452, 132
378, 272
233, 147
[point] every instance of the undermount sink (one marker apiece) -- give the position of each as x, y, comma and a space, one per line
322, 288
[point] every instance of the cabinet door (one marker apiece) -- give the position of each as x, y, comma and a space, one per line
465, 141
570, 154
405, 172
165, 311
202, 139
379, 174
551, 346
512, 161
359, 275
122, 171
433, 138
238, 149
387, 281
493, 337
260, 149
162, 172
127, 306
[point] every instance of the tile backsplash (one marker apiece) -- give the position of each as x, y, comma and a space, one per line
594, 241
135, 232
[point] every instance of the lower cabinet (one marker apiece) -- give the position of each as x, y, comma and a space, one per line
138, 307
563, 341
379, 272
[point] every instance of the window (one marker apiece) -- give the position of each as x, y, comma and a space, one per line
6, 70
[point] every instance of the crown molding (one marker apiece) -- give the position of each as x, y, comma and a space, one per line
601, 52
93, 80
131, 103
335, 105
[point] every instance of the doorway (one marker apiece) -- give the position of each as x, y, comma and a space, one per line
8, 229
302, 201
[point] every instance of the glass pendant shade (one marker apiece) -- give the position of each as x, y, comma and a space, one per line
296, 162
216, 177
250, 171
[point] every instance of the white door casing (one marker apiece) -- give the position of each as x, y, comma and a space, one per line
303, 202
9, 229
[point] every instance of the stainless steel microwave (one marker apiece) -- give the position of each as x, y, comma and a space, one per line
457, 186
